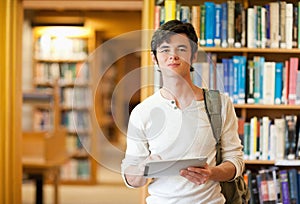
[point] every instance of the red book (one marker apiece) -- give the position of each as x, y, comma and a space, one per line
294, 61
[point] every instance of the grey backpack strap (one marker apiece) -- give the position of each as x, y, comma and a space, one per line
213, 108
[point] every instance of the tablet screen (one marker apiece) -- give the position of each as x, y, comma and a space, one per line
160, 168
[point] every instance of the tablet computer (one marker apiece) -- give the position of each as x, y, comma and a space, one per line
154, 169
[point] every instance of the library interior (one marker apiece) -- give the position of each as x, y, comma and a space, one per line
72, 72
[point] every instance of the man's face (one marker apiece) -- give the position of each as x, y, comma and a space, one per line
175, 55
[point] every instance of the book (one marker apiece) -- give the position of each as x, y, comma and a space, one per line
285, 194
274, 24
293, 71
230, 22
202, 25
251, 25
238, 10
289, 26
280, 137
278, 82
195, 19
224, 21
268, 83
290, 137
250, 83
293, 186
218, 26
210, 21
170, 10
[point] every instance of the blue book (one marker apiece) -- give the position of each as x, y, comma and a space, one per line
236, 67
246, 140
225, 62
293, 185
210, 22
217, 38
224, 34
285, 193
242, 80
268, 35
231, 78
278, 82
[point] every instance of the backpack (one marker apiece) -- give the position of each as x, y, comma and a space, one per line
236, 191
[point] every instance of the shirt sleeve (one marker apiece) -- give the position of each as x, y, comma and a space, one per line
137, 145
230, 141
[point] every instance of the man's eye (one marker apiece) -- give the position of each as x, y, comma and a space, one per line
165, 50
182, 50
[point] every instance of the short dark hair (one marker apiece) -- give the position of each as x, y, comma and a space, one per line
171, 28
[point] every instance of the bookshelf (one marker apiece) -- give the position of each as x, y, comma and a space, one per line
245, 111
60, 56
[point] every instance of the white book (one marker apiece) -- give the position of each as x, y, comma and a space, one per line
280, 137
269, 83
289, 26
253, 138
274, 24
205, 74
272, 142
251, 27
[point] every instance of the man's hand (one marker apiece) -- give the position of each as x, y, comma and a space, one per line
135, 174
197, 175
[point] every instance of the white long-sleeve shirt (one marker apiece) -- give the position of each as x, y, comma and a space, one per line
157, 126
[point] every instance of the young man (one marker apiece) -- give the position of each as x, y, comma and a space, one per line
173, 124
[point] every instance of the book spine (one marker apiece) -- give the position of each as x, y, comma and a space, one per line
278, 82
283, 175
267, 7
246, 140
210, 23
185, 14
157, 17
250, 28
292, 174
274, 24
282, 27
230, 20
295, 28
238, 9
218, 21
250, 83
294, 61
195, 20
289, 26
202, 25
170, 10
224, 21
242, 80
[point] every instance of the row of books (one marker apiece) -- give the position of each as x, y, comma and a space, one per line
47, 72
48, 47
79, 97
76, 121
229, 24
75, 169
266, 139
274, 186
253, 81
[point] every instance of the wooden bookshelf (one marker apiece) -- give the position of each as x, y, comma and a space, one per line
62, 61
